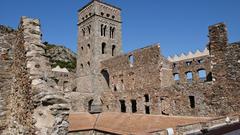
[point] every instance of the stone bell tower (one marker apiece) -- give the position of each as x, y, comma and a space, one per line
99, 38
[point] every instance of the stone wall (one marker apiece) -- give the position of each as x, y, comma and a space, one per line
50, 106
134, 70
148, 81
188, 70
144, 80
21, 106
7, 39
37, 105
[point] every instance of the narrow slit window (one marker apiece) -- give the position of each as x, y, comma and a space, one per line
113, 29
101, 29
103, 48
110, 32
113, 50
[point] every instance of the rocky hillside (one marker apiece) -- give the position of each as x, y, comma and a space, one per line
62, 56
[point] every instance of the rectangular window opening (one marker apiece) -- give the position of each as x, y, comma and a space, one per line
123, 106
134, 106
147, 109
192, 101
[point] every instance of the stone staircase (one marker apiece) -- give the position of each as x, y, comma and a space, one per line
5, 90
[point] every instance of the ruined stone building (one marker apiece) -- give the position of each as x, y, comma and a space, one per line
111, 92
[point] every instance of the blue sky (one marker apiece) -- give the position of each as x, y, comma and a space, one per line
178, 25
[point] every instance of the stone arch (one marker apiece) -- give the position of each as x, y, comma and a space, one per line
105, 74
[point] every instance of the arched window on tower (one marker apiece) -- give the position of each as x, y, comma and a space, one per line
113, 29
83, 32
89, 29
102, 29
113, 50
103, 47
110, 32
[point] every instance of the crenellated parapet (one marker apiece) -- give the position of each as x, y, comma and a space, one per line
190, 55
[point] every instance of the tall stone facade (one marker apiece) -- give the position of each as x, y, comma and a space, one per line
99, 38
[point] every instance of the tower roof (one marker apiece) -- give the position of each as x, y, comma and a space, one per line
100, 1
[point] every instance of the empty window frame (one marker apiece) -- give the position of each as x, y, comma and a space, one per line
147, 109
131, 60
200, 61
189, 75
202, 74
176, 77
147, 99
134, 105
102, 29
113, 50
123, 106
209, 76
188, 63
192, 101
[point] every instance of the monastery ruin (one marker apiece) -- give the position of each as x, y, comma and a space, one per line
111, 92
